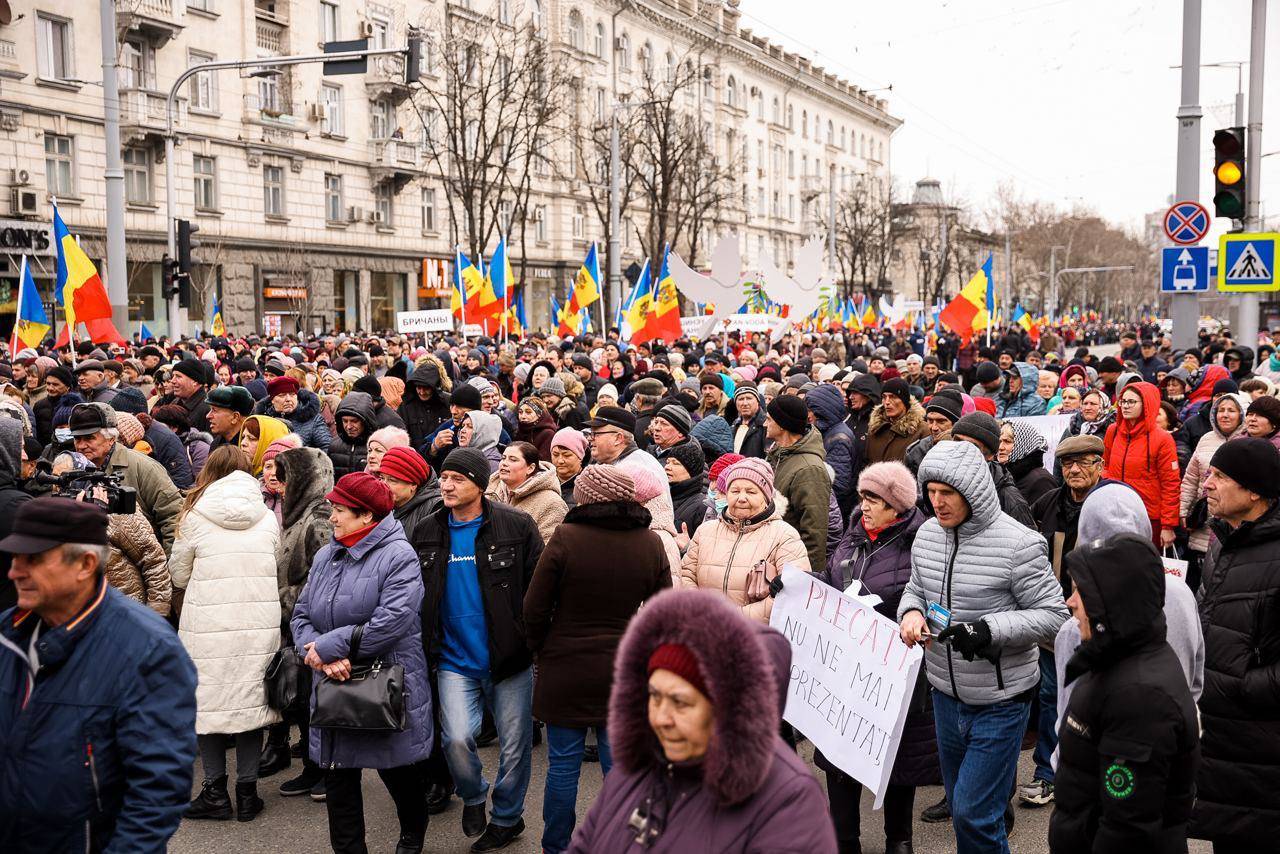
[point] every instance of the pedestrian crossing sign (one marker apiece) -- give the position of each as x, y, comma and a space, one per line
1247, 262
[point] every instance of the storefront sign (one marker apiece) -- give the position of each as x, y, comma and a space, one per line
435, 282
22, 237
430, 320
284, 293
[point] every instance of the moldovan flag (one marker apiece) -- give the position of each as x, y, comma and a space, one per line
664, 321
32, 323
502, 281
79, 290
971, 310
216, 326
869, 318
636, 310
586, 285
467, 284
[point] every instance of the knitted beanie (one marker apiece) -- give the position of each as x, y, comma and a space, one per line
980, 426
680, 660
648, 485
470, 463
131, 430
571, 440
360, 490
689, 455
717, 468
677, 416
1252, 463
892, 481
286, 442
1269, 408
755, 470
599, 483
406, 464
789, 413
390, 437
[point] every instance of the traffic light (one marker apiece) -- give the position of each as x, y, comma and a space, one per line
413, 57
169, 272
1228, 173
185, 230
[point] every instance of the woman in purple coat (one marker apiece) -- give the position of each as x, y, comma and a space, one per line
876, 551
693, 723
368, 576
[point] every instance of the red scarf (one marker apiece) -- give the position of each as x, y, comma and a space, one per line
356, 536
872, 533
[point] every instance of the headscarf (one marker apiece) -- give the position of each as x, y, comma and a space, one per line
269, 429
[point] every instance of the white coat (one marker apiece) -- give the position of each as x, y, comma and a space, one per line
224, 555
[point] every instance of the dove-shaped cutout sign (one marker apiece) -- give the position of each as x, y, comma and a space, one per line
804, 293
894, 310
722, 288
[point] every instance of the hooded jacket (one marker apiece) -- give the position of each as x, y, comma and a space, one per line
689, 502
539, 496
827, 405
1130, 742
305, 527
888, 440
225, 560
1240, 709
1198, 468
800, 474
1026, 401
349, 454
1195, 413
753, 436
750, 792
539, 434
305, 419
137, 566
422, 417
1245, 355
11, 498
1142, 455
989, 567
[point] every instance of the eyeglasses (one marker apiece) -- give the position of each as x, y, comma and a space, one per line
594, 433
1130, 402
1082, 464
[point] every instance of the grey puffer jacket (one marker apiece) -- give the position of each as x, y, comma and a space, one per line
989, 567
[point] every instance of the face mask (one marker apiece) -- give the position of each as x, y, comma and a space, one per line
719, 503
62, 434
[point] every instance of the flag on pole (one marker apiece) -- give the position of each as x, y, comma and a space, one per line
664, 320
586, 284
32, 323
869, 318
216, 326
467, 284
637, 306
144, 333
79, 290
501, 282
973, 307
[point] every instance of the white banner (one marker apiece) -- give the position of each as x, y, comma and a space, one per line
428, 320
1051, 427
472, 330
752, 322
851, 677
697, 326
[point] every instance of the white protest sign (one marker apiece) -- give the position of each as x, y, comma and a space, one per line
472, 330
851, 677
1051, 427
697, 326
429, 320
752, 322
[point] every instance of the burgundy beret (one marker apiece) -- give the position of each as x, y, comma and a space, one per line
282, 385
362, 491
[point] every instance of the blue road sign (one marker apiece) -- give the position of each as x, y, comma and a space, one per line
1184, 269
1247, 262
1186, 222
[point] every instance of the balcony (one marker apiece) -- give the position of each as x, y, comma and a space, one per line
270, 38
9, 66
142, 116
385, 78
272, 10
394, 160
157, 20
810, 187
273, 107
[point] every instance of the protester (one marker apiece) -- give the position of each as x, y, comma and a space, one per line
1018, 396
426, 402
526, 483
940, 414
827, 413
229, 406
983, 432
349, 450
1024, 459
568, 455
686, 469
12, 497
748, 427
298, 406
799, 474
1227, 418
1142, 455
894, 424
537, 426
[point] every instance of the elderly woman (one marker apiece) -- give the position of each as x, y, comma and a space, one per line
381, 441
1262, 420
273, 487
568, 454
694, 716
575, 617
299, 407
744, 548
536, 426
1068, 402
481, 430
1021, 452
874, 556
361, 603
256, 436
1227, 415
526, 483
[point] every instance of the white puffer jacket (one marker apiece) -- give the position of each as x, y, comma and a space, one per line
225, 557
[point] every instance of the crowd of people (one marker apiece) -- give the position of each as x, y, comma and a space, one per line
209, 544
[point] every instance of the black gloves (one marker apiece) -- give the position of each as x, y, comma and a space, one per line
968, 639
775, 586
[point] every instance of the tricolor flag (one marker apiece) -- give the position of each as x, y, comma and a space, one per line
79, 290
501, 282
32, 323
216, 326
664, 321
586, 284
636, 309
972, 309
467, 284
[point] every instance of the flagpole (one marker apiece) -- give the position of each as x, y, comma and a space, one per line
506, 289
17, 316
462, 289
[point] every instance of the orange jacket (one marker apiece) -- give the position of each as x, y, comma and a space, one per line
1142, 455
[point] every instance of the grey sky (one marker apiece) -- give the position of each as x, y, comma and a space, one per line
1072, 100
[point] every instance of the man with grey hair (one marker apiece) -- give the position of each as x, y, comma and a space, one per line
93, 429
98, 727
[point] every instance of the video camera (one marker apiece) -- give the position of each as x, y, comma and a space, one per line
119, 498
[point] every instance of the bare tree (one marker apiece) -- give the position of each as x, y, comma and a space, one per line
294, 264
865, 236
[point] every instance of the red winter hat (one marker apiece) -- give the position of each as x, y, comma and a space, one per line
362, 491
678, 659
722, 462
282, 385
405, 464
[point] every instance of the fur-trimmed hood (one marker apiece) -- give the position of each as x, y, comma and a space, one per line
741, 680
905, 424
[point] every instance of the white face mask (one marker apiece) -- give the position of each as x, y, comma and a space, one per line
62, 434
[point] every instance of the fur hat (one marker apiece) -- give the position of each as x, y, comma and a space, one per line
755, 470
599, 483
1269, 408
892, 481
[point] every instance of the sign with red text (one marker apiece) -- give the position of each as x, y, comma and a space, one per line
851, 677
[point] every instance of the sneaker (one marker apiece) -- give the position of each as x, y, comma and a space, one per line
1037, 793
497, 837
318, 793
302, 784
937, 813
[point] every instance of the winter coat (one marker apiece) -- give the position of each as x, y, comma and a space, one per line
349, 454
539, 496
800, 474
507, 549
989, 567
43, 410
416, 512
167, 449
305, 527
423, 417
385, 415
1198, 471
539, 434
723, 552
920, 448
884, 568
305, 419
158, 499
1129, 740
1240, 706
101, 758
198, 445
137, 566
753, 438
225, 560
713, 433
751, 792
1031, 477
376, 583
827, 405
11, 498
196, 405
1144, 456
888, 440
689, 501
575, 614
1026, 402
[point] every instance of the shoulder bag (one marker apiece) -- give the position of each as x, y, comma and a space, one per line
371, 700
281, 679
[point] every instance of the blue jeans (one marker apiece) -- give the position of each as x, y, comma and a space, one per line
462, 701
978, 750
564, 764
1047, 725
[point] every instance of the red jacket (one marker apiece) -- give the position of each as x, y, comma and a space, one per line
1142, 455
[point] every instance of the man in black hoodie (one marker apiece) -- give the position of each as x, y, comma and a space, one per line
426, 403
1130, 739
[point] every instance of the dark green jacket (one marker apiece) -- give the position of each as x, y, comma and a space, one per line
800, 475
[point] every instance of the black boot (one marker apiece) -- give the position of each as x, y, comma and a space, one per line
213, 802
275, 758
248, 804
438, 798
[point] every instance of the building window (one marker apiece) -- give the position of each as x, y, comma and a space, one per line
380, 119
791, 206
536, 17
428, 209
205, 171
731, 91
381, 33
804, 124
760, 201
328, 21
624, 53
579, 221
204, 94
273, 190
831, 132
671, 67
791, 163
646, 59
777, 111
708, 84
331, 97
201, 5
59, 165
137, 175
600, 105
504, 11
791, 117
333, 197
540, 223
383, 203
137, 65
54, 51
269, 100
600, 39
575, 29
759, 105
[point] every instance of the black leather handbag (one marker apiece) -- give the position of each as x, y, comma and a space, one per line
281, 679
372, 700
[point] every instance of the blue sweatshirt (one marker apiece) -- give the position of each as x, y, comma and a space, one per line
466, 636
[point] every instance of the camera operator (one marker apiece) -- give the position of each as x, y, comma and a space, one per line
93, 428
136, 566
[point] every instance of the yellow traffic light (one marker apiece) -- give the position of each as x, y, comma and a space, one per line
1229, 173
